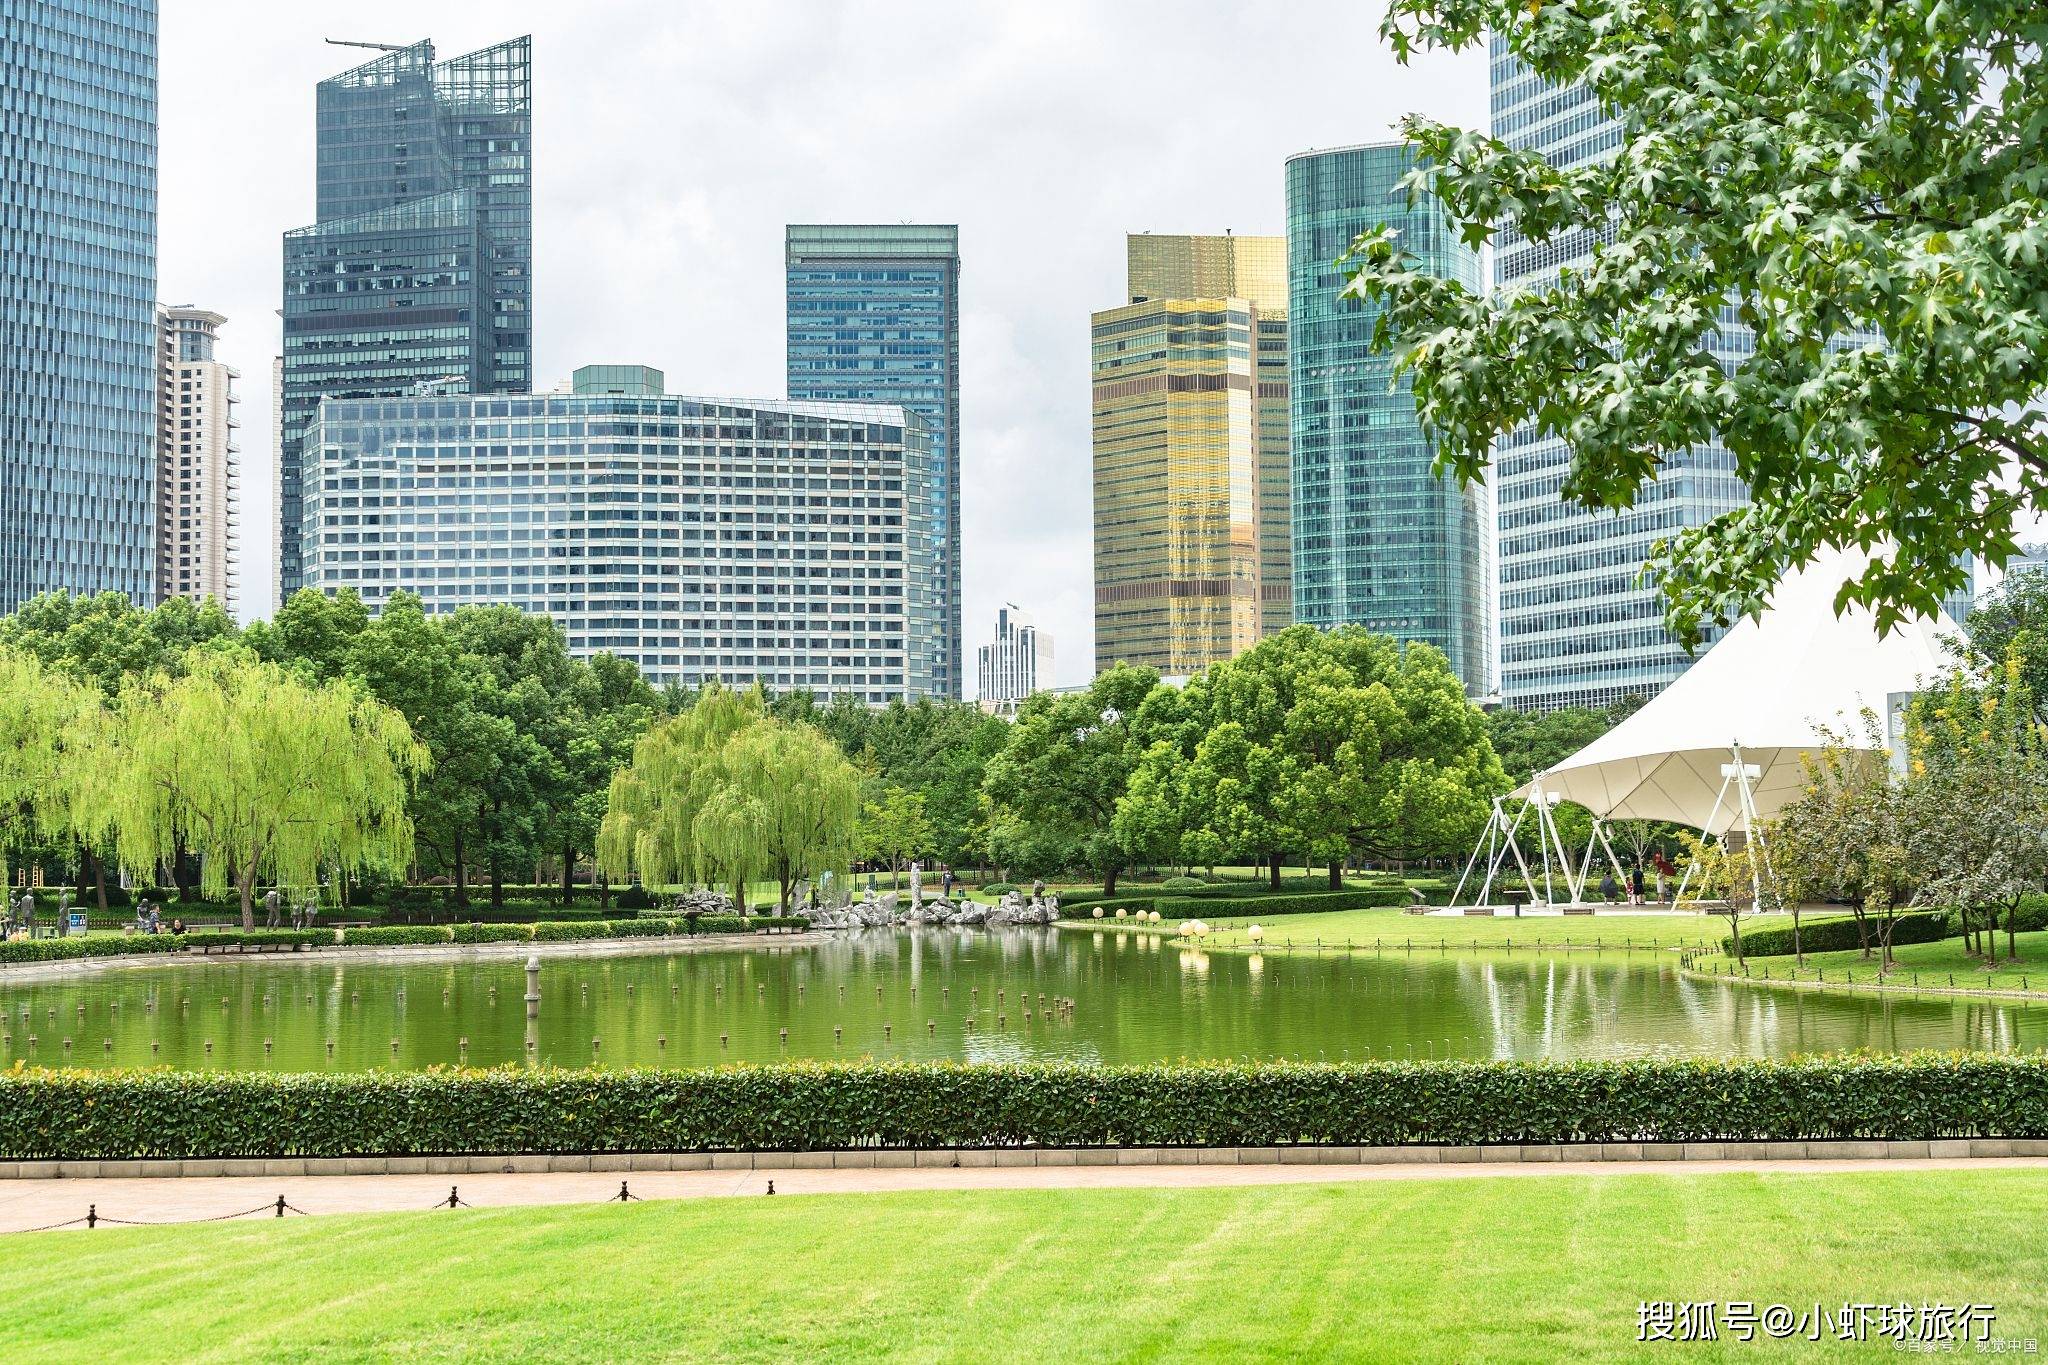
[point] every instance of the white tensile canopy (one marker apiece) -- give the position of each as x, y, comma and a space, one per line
1766, 690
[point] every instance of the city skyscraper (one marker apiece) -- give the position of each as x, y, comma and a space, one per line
418, 270
1015, 664
198, 476
873, 316
1171, 266
78, 340
1579, 624
741, 541
1380, 538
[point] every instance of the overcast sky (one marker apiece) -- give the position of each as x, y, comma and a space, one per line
674, 140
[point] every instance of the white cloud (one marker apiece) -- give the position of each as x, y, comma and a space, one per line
674, 141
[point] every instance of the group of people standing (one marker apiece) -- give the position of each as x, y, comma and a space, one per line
1660, 867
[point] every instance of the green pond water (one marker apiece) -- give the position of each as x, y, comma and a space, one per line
959, 994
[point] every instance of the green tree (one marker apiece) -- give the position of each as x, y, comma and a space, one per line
651, 826
262, 774
1977, 797
1331, 743
786, 806
1065, 766
1858, 182
47, 723
894, 826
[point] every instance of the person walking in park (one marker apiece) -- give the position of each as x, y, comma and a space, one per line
1635, 885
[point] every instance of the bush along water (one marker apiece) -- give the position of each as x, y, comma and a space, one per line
1832, 935
83, 1114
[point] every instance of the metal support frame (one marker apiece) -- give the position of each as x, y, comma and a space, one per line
1738, 774
1499, 841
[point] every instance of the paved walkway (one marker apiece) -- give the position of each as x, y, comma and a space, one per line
27, 1204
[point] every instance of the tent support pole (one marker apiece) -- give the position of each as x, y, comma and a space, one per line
1706, 832
1751, 835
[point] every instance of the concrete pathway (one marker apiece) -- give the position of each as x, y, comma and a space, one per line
32, 1204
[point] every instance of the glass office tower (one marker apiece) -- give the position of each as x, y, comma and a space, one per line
874, 317
78, 339
1254, 269
419, 270
1175, 424
1579, 624
1380, 539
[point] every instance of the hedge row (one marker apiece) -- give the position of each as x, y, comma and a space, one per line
1830, 935
568, 931
59, 949
85, 1114
1241, 907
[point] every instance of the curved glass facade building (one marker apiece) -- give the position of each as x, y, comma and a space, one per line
1380, 538
78, 337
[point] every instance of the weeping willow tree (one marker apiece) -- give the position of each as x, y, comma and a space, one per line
263, 775
650, 822
788, 807
723, 794
48, 725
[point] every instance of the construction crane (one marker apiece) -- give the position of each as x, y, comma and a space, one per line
375, 47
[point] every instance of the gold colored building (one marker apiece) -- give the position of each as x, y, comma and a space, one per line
1192, 551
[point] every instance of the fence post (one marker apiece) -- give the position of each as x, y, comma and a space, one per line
280, 1206
92, 1215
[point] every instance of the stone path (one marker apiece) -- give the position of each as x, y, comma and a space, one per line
27, 1204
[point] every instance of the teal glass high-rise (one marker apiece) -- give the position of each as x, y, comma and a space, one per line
78, 339
419, 270
1380, 538
874, 317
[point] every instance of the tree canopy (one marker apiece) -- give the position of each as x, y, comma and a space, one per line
1859, 184
262, 774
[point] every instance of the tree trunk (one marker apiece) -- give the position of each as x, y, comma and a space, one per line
245, 889
461, 872
99, 883
1735, 928
1336, 874
1798, 954
604, 892
1109, 882
1273, 871
568, 874
497, 882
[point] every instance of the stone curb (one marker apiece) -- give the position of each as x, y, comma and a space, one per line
1621, 1153
636, 946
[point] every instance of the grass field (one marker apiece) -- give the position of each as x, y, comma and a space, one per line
1392, 927
1931, 963
1536, 1268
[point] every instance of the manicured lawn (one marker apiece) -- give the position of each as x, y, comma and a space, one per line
1931, 963
1537, 1268
1395, 927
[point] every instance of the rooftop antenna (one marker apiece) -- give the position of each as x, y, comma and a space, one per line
379, 47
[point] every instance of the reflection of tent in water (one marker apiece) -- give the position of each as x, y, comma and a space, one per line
1722, 748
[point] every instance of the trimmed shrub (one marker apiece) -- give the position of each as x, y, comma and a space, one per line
1001, 888
562, 931
716, 924
1833, 935
636, 897
128, 1114
1183, 884
384, 934
779, 922
491, 933
256, 938
643, 928
60, 949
